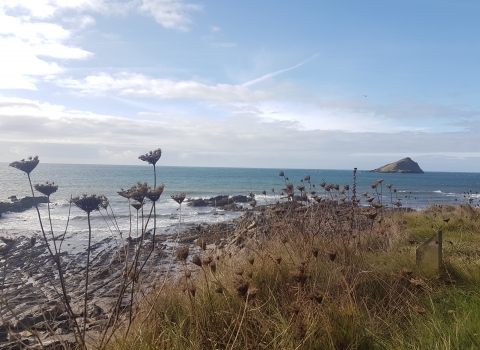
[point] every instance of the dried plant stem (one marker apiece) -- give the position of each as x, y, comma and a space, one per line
86, 277
56, 259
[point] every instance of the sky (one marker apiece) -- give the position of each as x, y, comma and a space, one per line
278, 84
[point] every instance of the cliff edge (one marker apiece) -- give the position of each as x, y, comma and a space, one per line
405, 166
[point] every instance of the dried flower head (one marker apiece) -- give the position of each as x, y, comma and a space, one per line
316, 296
138, 205
419, 309
139, 191
346, 187
388, 185
179, 198
323, 184
182, 253
264, 192
213, 267
125, 193
207, 260
332, 256
307, 178
26, 165
151, 157
241, 286
281, 173
155, 193
47, 188
253, 203
197, 261
90, 203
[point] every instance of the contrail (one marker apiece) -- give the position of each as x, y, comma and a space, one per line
269, 75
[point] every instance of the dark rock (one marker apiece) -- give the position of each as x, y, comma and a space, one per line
405, 166
198, 203
20, 205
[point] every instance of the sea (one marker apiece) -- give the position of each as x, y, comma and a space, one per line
413, 190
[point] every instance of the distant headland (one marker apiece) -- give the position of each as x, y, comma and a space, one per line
404, 166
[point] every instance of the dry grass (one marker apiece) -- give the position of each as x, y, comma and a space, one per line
326, 277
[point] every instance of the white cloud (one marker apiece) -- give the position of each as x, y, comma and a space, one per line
34, 34
138, 85
173, 14
25, 47
62, 135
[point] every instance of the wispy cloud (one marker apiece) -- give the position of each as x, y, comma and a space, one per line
139, 85
271, 75
173, 14
223, 45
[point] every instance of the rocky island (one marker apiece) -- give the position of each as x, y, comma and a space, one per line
404, 166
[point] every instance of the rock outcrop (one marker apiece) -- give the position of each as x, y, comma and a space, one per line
405, 166
20, 205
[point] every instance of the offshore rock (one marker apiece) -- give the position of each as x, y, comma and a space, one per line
20, 205
404, 166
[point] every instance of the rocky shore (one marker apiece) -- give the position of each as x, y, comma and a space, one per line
19, 205
32, 312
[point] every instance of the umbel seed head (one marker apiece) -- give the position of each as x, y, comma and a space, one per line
179, 198
151, 157
155, 193
26, 165
90, 203
47, 188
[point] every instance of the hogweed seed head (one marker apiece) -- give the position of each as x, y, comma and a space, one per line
47, 188
182, 253
138, 205
151, 157
26, 165
90, 203
179, 198
155, 193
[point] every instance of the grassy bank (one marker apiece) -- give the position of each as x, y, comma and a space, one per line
322, 277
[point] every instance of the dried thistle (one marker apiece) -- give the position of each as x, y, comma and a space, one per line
47, 188
26, 166
90, 203
151, 157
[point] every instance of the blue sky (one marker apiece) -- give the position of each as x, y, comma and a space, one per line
284, 84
